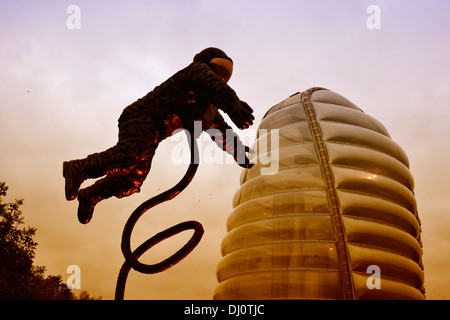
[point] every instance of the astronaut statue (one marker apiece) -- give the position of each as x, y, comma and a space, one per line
193, 94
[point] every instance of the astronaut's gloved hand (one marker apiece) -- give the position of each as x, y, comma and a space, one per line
240, 155
241, 114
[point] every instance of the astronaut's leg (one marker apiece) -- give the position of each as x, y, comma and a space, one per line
118, 186
77, 171
136, 138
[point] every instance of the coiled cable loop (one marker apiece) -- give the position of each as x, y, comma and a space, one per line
131, 258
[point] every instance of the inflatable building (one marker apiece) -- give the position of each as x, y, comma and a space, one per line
333, 216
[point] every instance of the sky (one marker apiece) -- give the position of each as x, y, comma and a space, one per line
65, 82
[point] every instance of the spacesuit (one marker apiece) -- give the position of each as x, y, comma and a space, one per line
195, 93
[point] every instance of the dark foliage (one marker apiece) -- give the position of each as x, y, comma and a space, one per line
19, 278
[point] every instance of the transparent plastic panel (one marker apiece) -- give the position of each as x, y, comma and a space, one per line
288, 135
279, 256
292, 114
281, 241
372, 161
308, 177
301, 202
378, 209
289, 284
294, 99
292, 156
391, 265
331, 97
331, 112
390, 290
307, 228
383, 237
343, 133
375, 185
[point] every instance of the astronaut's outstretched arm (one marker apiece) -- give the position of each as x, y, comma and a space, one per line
229, 141
204, 80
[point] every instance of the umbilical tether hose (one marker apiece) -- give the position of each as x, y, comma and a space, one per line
131, 257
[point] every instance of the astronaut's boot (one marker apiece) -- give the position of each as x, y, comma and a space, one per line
77, 171
90, 196
74, 176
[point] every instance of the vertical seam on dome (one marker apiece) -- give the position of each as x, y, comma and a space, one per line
336, 218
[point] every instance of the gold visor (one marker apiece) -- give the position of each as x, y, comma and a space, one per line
227, 64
